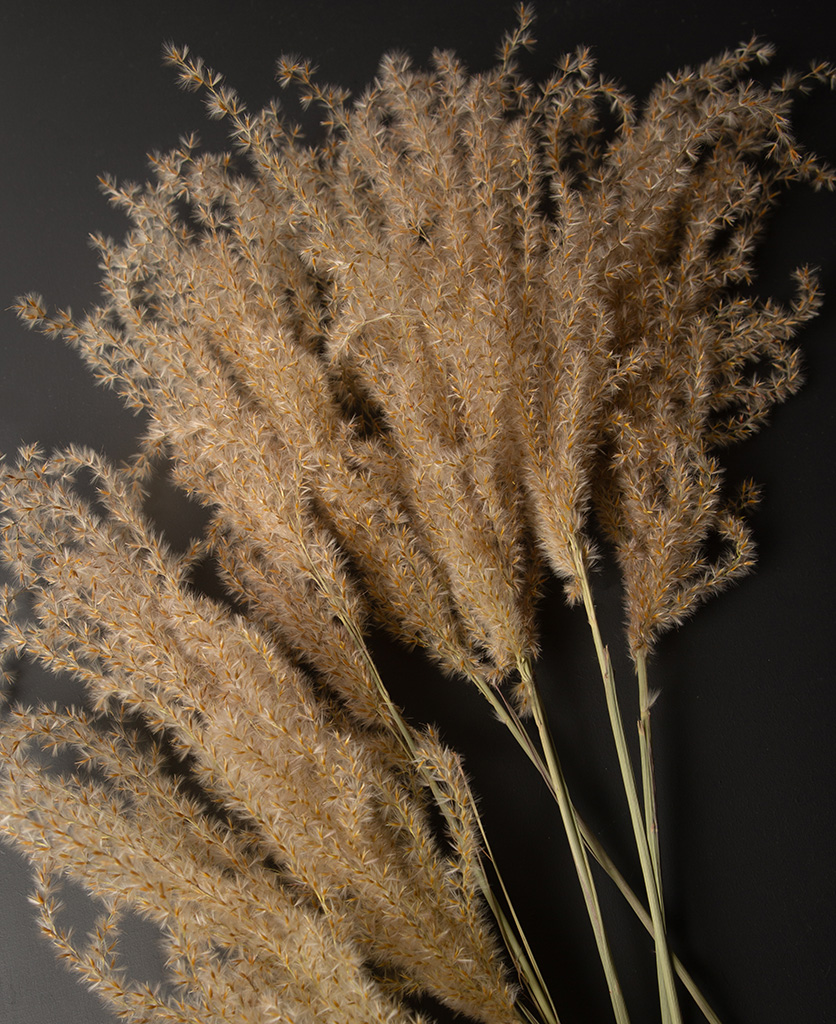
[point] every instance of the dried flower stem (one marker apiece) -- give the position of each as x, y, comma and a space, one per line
651, 820
552, 773
651, 823
556, 783
512, 721
600, 854
514, 936
663, 962
570, 824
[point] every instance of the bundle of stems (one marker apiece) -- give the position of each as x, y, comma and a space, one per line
483, 330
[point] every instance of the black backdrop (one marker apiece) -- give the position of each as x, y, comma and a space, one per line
743, 727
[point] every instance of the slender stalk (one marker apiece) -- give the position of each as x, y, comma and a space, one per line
638, 908
511, 720
651, 826
517, 944
600, 854
537, 985
570, 824
648, 780
593, 844
667, 984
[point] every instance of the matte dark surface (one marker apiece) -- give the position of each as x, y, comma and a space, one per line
745, 722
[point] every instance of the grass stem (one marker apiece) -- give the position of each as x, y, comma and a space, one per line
576, 845
667, 985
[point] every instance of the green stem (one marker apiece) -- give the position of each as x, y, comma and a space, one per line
600, 854
510, 718
651, 826
603, 858
670, 1006
513, 939
570, 824
648, 781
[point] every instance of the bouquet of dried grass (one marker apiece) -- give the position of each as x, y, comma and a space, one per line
485, 330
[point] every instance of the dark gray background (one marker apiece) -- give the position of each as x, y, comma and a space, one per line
744, 724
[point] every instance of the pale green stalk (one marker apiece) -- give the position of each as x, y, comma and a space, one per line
552, 772
648, 781
554, 777
537, 984
510, 718
525, 963
570, 824
651, 825
664, 969
603, 858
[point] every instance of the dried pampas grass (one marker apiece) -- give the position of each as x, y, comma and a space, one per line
484, 330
